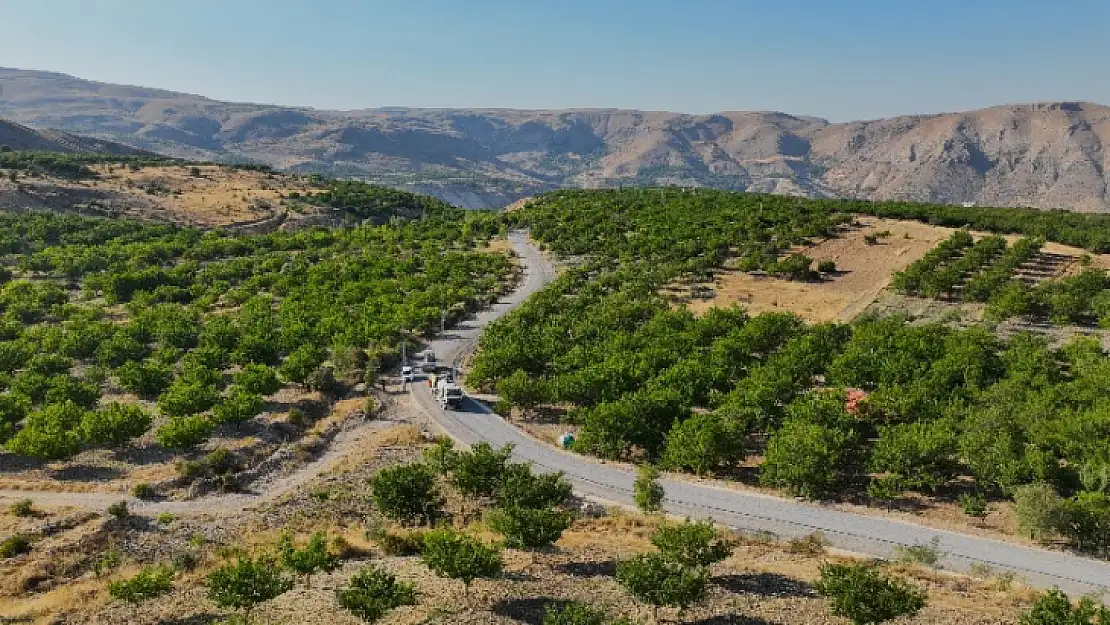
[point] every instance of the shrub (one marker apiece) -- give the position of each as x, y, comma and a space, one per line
442, 456
1038, 509
826, 266
247, 583
974, 504
259, 379
691, 544
144, 491
165, 518
1054, 608
705, 442
147, 584
15, 545
183, 433
530, 528
480, 472
660, 581
107, 561
406, 493
925, 554
808, 459
238, 407
813, 544
648, 492
457, 556
119, 510
50, 433
522, 489
372, 593
184, 398
573, 613
115, 424
863, 595
147, 379
403, 543
310, 559
22, 508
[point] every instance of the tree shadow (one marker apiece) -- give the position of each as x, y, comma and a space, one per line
86, 473
764, 585
606, 568
731, 619
530, 610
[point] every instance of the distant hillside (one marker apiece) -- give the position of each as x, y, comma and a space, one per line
20, 137
1043, 155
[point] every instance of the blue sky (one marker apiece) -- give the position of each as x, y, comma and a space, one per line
839, 59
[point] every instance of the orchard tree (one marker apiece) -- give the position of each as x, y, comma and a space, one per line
301, 363
458, 556
147, 379
184, 433
372, 593
13, 409
406, 493
647, 491
115, 424
521, 390
50, 433
309, 559
481, 471
692, 544
247, 583
660, 581
1054, 608
149, 583
187, 398
258, 378
530, 528
238, 407
704, 443
864, 596
808, 459
522, 489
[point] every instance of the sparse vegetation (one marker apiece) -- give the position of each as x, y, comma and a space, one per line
149, 583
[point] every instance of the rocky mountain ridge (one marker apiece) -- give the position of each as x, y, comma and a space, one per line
1043, 155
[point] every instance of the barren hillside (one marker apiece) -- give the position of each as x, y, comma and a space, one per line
1043, 155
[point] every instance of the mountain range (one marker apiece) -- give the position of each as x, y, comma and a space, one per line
1047, 155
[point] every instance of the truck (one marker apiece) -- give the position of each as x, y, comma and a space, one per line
448, 394
429, 364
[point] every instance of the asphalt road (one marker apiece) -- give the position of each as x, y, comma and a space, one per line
874, 536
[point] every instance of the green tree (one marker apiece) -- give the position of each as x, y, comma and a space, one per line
13, 409
187, 398
147, 379
691, 544
115, 424
864, 596
238, 407
441, 456
1039, 510
521, 390
521, 489
310, 559
451, 554
647, 491
406, 492
258, 378
573, 613
50, 433
809, 459
660, 581
148, 584
247, 583
301, 363
704, 443
1054, 608
184, 433
530, 528
922, 455
481, 471
372, 593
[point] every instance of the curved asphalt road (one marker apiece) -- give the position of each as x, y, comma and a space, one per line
742, 510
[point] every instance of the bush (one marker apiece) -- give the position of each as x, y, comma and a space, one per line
238, 407
648, 492
442, 456
691, 544
184, 433
144, 491
258, 378
406, 493
974, 504
404, 543
115, 424
147, 584
826, 266
480, 472
310, 559
147, 379
529, 528
372, 593
457, 556
658, 580
22, 508
119, 510
863, 595
247, 583
1054, 608
13, 546
573, 613
1039, 510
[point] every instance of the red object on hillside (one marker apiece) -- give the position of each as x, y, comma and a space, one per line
852, 399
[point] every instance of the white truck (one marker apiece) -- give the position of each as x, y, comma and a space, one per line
448, 394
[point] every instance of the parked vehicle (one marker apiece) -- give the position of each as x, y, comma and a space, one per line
448, 394
407, 374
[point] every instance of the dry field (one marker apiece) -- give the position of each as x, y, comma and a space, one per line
765, 582
863, 272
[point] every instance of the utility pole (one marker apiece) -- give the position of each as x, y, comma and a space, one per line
442, 321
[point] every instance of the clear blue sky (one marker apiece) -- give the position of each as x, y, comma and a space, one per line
840, 59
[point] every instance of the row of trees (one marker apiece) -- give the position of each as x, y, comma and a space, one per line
317, 308
881, 405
